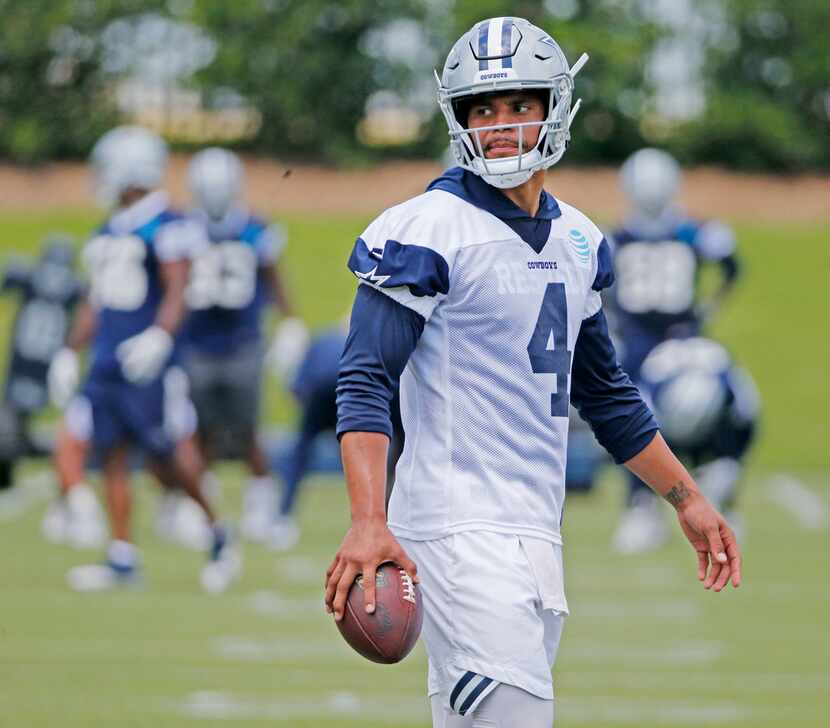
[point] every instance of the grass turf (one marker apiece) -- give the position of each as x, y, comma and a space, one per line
644, 646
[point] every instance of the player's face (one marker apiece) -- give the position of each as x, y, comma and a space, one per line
508, 108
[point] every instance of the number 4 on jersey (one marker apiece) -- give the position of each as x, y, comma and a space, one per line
548, 347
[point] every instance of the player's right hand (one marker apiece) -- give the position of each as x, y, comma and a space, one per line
62, 377
365, 547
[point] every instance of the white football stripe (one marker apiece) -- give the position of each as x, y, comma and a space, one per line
494, 37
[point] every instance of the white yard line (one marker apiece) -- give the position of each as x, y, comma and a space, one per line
251, 649
676, 609
610, 711
211, 705
793, 496
683, 653
270, 603
750, 683
300, 569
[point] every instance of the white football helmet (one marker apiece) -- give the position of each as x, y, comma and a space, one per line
125, 157
688, 406
689, 393
650, 179
500, 55
215, 177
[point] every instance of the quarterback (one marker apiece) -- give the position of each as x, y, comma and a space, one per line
482, 298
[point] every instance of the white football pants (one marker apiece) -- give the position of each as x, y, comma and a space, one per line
506, 707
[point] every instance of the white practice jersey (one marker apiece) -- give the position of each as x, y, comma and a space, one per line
484, 396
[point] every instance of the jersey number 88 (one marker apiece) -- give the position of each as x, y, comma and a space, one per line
224, 276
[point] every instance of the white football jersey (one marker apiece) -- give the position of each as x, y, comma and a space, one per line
484, 396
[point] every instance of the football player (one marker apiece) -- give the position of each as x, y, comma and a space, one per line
314, 387
48, 293
658, 256
232, 283
708, 409
138, 263
482, 297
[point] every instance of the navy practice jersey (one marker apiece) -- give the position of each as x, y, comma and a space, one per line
48, 292
706, 405
657, 265
228, 291
123, 260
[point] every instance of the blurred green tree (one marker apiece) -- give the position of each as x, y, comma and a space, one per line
740, 82
306, 67
768, 89
55, 99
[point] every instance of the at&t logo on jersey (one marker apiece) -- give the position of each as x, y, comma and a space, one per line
580, 247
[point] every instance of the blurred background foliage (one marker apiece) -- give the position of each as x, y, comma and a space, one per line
738, 82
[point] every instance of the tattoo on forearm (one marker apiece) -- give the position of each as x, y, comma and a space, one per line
678, 494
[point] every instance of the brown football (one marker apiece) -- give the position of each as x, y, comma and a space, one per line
391, 632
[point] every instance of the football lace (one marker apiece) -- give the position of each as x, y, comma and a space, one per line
408, 587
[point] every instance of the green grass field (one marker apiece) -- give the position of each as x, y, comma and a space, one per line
645, 646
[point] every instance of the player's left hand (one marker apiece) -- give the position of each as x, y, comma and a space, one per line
718, 555
143, 356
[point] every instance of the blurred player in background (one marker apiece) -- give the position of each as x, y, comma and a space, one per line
482, 297
658, 256
708, 409
232, 283
48, 292
314, 387
138, 263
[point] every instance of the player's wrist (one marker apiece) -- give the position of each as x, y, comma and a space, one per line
683, 496
369, 520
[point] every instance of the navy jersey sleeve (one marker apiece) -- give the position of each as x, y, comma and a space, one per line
605, 397
382, 335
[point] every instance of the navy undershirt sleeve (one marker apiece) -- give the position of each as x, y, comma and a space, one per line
605, 397
382, 335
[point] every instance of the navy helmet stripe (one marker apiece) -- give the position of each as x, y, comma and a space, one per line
459, 686
471, 698
506, 43
483, 38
